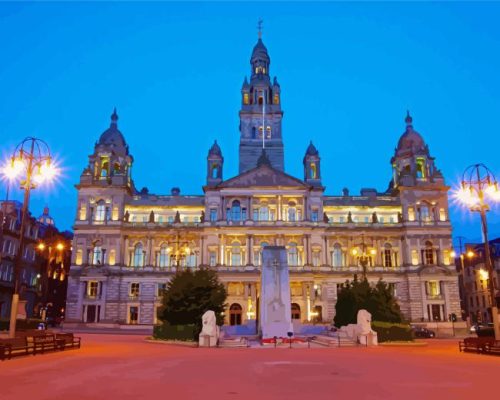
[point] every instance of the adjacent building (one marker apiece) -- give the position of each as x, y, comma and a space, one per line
129, 243
44, 263
475, 279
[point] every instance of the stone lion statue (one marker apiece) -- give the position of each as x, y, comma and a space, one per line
361, 331
209, 331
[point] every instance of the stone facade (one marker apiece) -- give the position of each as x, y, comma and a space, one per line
128, 244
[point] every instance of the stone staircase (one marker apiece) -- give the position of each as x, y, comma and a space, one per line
334, 341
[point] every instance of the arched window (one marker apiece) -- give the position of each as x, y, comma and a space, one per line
236, 211
293, 255
235, 254
387, 255
276, 98
100, 214
313, 172
337, 259
235, 312
163, 255
246, 99
264, 213
104, 168
428, 253
425, 215
138, 256
295, 311
215, 171
97, 255
292, 212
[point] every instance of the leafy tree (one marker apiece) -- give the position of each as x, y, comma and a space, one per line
189, 295
358, 294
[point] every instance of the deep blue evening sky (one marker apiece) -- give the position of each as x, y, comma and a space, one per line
348, 72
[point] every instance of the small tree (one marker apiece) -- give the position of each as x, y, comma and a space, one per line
189, 295
358, 295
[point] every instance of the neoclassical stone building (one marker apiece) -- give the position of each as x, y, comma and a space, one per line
129, 243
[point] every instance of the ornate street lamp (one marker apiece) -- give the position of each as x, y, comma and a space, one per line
479, 187
365, 256
30, 165
180, 251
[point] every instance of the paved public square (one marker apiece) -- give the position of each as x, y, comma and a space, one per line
125, 367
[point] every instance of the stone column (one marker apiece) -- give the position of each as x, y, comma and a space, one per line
280, 209
325, 250
249, 249
202, 249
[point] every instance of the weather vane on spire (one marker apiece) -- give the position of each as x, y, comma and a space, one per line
259, 27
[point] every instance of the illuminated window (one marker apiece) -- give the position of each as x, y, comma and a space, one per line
212, 256
115, 213
264, 214
246, 98
446, 257
420, 173
387, 256
313, 173
433, 288
104, 168
83, 212
79, 256
316, 258
411, 214
112, 257
92, 289
442, 214
276, 98
414, 257
428, 253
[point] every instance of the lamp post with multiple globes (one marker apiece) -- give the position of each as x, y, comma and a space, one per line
365, 255
479, 186
31, 165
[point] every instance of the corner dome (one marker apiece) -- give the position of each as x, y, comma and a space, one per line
311, 150
112, 136
260, 51
215, 149
411, 141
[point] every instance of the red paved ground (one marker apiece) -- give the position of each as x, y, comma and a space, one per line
125, 367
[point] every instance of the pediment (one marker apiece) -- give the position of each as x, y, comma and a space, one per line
433, 270
262, 176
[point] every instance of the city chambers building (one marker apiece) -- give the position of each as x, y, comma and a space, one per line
128, 243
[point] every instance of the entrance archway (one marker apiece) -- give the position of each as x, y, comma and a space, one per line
295, 311
235, 312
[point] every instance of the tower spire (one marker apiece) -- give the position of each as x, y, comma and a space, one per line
259, 27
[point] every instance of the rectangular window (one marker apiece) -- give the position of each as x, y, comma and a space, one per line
83, 212
414, 257
134, 289
433, 288
133, 315
342, 219
92, 289
314, 215
160, 289
212, 256
316, 258
170, 219
213, 215
411, 214
255, 214
442, 214
387, 258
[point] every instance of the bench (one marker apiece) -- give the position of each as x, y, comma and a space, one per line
68, 340
46, 343
493, 348
14, 347
475, 344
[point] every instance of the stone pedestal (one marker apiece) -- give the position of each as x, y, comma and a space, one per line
275, 310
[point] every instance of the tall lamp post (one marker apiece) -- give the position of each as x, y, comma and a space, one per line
31, 165
365, 256
477, 187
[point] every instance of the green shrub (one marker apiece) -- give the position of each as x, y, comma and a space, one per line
175, 332
21, 325
388, 331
